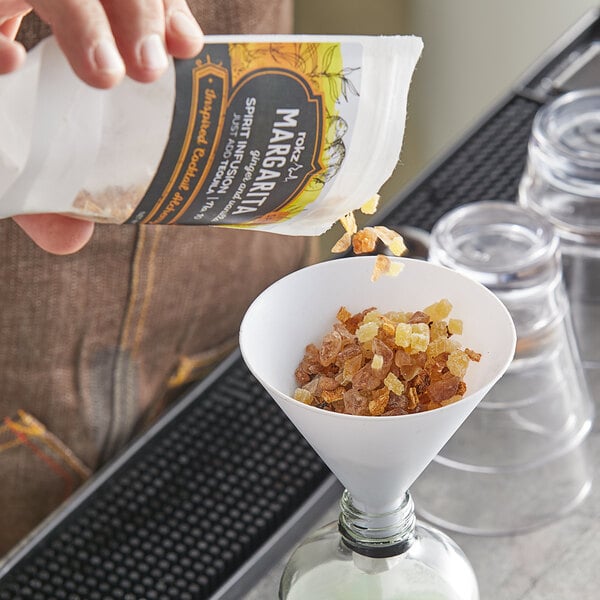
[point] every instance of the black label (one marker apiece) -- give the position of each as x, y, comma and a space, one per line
239, 151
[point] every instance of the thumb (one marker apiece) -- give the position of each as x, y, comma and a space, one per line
56, 234
12, 54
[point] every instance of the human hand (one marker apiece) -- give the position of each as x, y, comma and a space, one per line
103, 40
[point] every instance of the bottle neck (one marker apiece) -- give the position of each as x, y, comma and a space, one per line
377, 535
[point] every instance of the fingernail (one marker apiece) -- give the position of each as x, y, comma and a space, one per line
152, 54
183, 25
106, 57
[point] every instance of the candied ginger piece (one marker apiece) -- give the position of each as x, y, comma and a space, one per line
343, 243
439, 310
439, 346
349, 223
455, 326
343, 314
384, 266
391, 239
371, 205
457, 363
377, 362
303, 396
364, 241
419, 337
402, 336
396, 317
373, 316
438, 329
388, 327
393, 384
367, 331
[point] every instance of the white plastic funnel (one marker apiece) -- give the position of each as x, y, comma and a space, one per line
375, 458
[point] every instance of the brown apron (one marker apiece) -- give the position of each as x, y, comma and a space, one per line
94, 345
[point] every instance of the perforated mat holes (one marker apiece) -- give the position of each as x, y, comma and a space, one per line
488, 166
180, 519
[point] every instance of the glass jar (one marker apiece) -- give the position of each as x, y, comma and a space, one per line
529, 433
562, 184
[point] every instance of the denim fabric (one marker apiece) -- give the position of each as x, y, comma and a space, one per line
95, 344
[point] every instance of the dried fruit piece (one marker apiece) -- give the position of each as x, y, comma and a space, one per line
334, 395
379, 400
371, 205
351, 368
303, 395
349, 223
377, 362
364, 241
457, 363
393, 363
332, 344
391, 239
343, 243
455, 326
439, 310
438, 329
367, 331
366, 379
356, 403
402, 336
474, 356
393, 384
384, 266
343, 314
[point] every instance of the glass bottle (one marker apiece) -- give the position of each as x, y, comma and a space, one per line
387, 556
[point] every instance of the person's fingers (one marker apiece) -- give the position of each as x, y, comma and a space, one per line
103, 39
183, 35
139, 29
56, 234
9, 26
12, 55
84, 33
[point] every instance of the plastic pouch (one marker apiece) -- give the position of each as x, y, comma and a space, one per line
279, 133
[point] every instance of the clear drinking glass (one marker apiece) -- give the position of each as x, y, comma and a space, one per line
520, 459
562, 184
